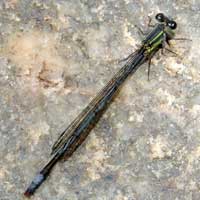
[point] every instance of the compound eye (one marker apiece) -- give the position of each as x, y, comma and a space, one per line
172, 24
160, 17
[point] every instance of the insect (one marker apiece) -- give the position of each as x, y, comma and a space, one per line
77, 131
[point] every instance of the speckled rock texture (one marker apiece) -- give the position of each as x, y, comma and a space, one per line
55, 56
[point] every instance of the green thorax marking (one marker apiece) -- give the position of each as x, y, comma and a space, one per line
157, 37
155, 42
155, 45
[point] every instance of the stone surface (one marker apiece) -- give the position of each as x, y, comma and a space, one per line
54, 57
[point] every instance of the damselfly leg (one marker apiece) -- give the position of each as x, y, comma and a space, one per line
149, 22
127, 58
182, 39
149, 67
172, 52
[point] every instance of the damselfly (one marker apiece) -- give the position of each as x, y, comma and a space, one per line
78, 130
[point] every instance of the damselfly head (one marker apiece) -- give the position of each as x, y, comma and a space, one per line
160, 17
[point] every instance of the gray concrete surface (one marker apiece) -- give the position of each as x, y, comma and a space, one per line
54, 57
